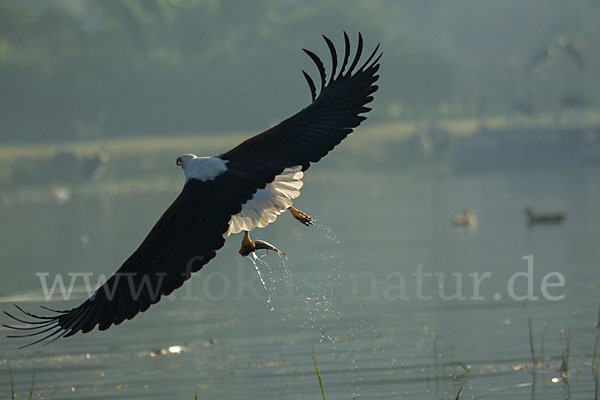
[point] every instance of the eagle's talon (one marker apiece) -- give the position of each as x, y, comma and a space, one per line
301, 216
248, 245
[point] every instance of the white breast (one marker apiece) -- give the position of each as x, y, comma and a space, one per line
266, 204
204, 168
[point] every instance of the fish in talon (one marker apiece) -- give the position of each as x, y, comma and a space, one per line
262, 245
250, 246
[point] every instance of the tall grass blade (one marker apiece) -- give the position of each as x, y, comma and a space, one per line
531, 347
542, 352
12, 383
318, 374
458, 394
595, 359
32, 385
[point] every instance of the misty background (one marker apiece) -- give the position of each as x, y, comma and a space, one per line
91, 69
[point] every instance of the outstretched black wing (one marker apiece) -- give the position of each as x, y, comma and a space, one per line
184, 239
190, 232
311, 133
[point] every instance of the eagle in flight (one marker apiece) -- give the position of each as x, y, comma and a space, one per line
240, 190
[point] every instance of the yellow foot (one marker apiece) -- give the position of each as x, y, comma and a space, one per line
248, 245
301, 216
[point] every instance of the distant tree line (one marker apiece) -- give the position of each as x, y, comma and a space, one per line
95, 68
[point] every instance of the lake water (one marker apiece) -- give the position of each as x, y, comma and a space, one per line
348, 289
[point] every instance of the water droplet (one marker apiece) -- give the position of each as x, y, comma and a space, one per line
175, 349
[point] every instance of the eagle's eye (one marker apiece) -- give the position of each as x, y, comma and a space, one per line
178, 161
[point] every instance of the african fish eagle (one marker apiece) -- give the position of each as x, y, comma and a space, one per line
240, 190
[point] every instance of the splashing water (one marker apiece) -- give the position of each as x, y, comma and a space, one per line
320, 298
255, 260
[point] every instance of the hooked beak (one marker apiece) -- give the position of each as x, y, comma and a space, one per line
178, 162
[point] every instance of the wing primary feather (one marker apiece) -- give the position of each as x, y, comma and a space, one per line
34, 333
27, 322
28, 328
311, 85
358, 54
346, 54
333, 57
56, 338
30, 314
70, 323
370, 58
57, 330
53, 310
375, 63
319, 65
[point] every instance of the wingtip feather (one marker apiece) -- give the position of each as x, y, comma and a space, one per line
319, 65
311, 85
334, 59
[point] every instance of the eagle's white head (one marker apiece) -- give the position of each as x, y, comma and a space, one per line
185, 159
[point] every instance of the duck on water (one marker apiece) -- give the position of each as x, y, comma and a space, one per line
548, 219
